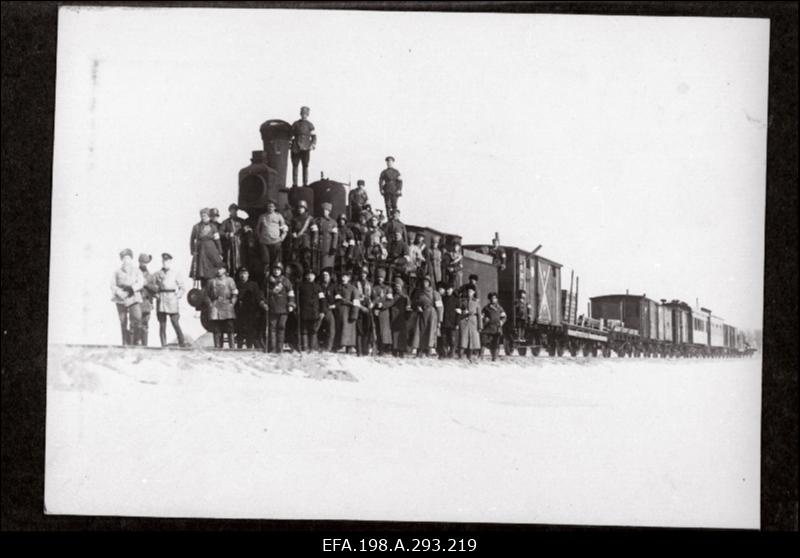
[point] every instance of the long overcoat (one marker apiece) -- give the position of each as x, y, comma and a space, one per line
469, 334
346, 314
424, 302
398, 310
206, 251
382, 298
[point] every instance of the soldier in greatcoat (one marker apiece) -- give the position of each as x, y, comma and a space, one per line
357, 199
449, 324
472, 284
223, 293
328, 307
522, 314
393, 225
399, 308
469, 323
347, 310
232, 230
281, 302
427, 305
304, 140
126, 286
365, 331
390, 183
328, 237
249, 311
311, 310
148, 294
399, 258
382, 298
375, 247
169, 290
206, 249
494, 317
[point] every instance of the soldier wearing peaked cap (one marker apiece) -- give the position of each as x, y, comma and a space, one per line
301, 229
281, 301
169, 290
328, 237
390, 183
304, 140
126, 286
382, 298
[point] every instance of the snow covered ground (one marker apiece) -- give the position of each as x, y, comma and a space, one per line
569, 440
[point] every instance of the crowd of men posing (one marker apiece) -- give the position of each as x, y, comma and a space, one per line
359, 285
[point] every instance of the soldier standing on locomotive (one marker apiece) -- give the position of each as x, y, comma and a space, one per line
206, 249
328, 237
346, 243
231, 231
304, 140
357, 201
398, 257
301, 229
126, 284
271, 231
391, 185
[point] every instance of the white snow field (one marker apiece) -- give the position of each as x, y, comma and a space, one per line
141, 432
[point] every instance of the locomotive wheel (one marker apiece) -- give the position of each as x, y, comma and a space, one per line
536, 350
204, 321
573, 349
606, 351
593, 351
522, 351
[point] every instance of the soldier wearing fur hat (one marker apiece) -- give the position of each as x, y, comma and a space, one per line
357, 199
206, 248
390, 183
126, 286
328, 237
304, 140
250, 309
148, 294
281, 302
232, 231
223, 294
382, 298
169, 290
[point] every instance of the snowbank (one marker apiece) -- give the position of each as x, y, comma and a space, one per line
530, 440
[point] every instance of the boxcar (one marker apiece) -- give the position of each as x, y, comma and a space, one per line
481, 265
635, 311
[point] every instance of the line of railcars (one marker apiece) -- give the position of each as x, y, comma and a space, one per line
625, 325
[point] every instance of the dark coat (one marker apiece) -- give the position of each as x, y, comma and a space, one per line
206, 251
493, 319
280, 295
250, 304
424, 303
346, 315
398, 311
449, 314
328, 239
311, 300
381, 299
468, 328
392, 226
222, 291
231, 231
301, 226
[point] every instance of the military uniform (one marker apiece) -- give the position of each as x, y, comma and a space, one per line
427, 303
382, 298
346, 313
328, 240
391, 186
498, 257
249, 310
169, 290
280, 300
303, 140
469, 332
206, 251
346, 242
395, 225
453, 266
311, 310
522, 311
148, 296
493, 319
222, 291
399, 308
364, 323
357, 199
231, 231
300, 228
271, 231
327, 307
449, 327
126, 286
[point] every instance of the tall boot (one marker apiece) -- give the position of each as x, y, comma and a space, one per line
294, 174
126, 335
178, 332
144, 336
217, 342
305, 175
162, 336
230, 339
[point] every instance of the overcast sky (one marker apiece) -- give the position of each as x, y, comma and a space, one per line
633, 149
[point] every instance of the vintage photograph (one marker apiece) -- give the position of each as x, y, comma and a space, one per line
407, 266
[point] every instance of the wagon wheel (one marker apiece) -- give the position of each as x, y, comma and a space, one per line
522, 351
204, 321
606, 351
573, 348
593, 350
535, 350
621, 351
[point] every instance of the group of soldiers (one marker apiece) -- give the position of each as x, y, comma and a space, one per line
136, 292
352, 284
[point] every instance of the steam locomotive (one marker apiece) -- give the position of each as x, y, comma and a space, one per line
628, 325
